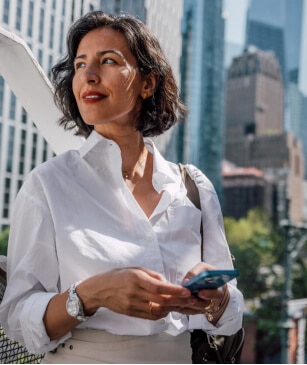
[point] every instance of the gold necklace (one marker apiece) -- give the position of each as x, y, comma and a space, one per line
139, 163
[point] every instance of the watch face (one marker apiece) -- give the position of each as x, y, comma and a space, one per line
73, 307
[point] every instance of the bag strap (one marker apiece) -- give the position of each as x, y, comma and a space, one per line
192, 194
227, 349
192, 189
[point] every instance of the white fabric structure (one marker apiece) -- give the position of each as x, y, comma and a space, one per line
31, 86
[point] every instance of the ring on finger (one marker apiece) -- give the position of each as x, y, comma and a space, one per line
150, 307
210, 305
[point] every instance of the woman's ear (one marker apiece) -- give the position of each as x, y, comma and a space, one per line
149, 86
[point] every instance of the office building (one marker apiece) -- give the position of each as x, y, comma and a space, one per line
246, 188
281, 26
254, 96
254, 125
21, 145
281, 159
135, 7
201, 136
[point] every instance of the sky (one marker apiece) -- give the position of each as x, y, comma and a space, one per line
235, 18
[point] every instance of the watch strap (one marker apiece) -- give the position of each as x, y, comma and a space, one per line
73, 296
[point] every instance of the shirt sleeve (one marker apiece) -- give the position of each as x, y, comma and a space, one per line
216, 252
31, 271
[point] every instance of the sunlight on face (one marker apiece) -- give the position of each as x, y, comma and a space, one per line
107, 83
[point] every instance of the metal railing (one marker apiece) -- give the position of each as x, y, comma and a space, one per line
11, 352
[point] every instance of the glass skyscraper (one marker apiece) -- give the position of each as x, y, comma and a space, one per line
202, 87
277, 25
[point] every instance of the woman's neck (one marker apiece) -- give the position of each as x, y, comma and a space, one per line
134, 157
133, 151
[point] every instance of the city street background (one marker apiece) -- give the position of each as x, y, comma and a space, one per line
241, 66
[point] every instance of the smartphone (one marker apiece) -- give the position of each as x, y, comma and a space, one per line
210, 279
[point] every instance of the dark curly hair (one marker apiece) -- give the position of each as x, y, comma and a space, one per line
159, 112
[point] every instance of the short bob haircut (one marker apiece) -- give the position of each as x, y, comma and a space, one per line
159, 112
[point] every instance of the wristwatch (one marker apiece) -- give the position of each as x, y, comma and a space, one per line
74, 305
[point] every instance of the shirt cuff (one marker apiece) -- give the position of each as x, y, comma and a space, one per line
32, 326
229, 323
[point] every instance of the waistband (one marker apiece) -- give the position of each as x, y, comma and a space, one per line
96, 346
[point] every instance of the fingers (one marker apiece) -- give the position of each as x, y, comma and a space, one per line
156, 284
209, 301
197, 269
216, 294
143, 293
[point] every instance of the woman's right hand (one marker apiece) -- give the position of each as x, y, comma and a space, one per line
136, 292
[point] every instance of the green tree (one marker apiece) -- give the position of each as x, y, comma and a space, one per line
4, 236
257, 248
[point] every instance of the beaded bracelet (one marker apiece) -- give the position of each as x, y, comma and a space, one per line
213, 310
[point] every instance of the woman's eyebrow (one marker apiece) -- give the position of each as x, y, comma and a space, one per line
119, 53
101, 53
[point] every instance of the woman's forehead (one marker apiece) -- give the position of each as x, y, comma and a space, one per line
101, 39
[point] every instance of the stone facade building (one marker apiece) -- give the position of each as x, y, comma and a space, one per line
255, 134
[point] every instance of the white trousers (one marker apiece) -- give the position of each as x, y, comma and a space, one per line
100, 347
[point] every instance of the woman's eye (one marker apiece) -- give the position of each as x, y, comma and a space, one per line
107, 61
79, 65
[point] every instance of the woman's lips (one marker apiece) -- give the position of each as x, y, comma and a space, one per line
92, 97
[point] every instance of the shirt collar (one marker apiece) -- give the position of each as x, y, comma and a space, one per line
98, 150
163, 172
91, 142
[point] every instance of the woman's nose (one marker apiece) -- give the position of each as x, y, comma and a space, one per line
91, 74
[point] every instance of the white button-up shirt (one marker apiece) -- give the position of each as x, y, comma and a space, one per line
74, 217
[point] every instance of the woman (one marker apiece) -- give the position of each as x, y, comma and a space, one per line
103, 238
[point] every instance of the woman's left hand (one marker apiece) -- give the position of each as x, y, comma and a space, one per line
205, 296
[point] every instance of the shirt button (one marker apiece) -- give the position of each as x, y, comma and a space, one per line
149, 238
162, 321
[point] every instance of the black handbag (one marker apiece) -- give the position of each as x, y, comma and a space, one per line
209, 349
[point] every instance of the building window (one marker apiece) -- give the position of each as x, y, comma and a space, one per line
12, 106
0, 139
34, 149
6, 11
1, 94
19, 184
51, 33
6, 198
40, 57
10, 150
18, 15
250, 129
30, 18
41, 25
22, 152
61, 37
63, 7
45, 151
24, 116
50, 61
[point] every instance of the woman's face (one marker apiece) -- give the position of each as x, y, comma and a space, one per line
107, 84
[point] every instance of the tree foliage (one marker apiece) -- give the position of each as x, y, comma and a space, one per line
257, 247
4, 236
